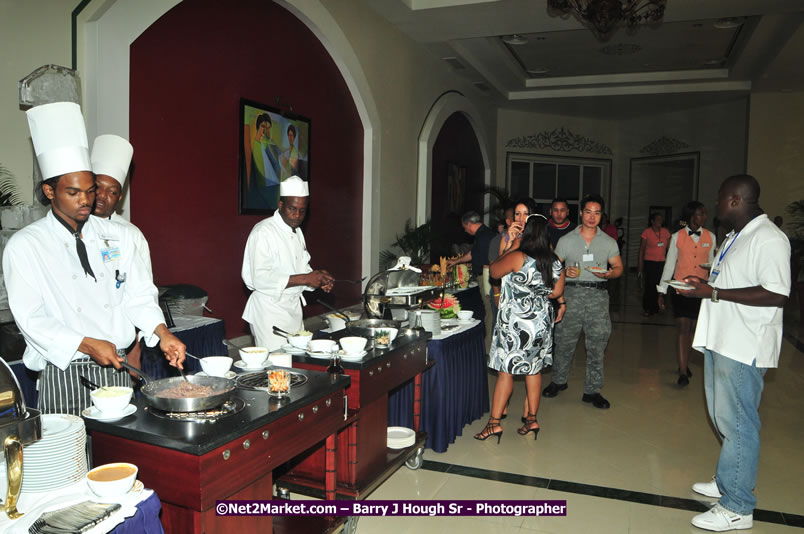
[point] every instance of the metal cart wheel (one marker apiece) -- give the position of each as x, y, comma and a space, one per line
416, 461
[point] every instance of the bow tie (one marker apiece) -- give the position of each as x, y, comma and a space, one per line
698, 232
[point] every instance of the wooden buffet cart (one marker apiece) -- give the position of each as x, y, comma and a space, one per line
361, 445
192, 464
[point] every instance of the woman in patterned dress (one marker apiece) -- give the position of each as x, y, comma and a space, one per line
523, 334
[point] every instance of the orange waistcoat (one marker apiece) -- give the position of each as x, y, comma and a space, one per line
691, 255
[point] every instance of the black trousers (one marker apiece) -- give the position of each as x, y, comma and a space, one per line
652, 274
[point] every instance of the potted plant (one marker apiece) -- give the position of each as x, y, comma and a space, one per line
414, 242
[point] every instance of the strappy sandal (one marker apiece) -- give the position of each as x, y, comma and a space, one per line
487, 432
525, 430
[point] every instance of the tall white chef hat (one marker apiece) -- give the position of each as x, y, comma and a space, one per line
111, 155
294, 187
59, 138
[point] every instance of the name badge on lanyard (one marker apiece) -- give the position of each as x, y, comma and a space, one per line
110, 250
588, 257
717, 268
660, 244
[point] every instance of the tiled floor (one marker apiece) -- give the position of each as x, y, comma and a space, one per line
652, 444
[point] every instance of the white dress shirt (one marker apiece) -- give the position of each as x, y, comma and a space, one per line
274, 252
672, 255
758, 256
55, 304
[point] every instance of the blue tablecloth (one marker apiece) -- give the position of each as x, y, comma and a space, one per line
145, 521
454, 391
203, 336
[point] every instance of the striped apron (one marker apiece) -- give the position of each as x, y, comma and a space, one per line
62, 391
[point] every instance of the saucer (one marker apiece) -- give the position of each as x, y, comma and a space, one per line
137, 488
290, 349
240, 364
320, 355
93, 413
229, 374
352, 355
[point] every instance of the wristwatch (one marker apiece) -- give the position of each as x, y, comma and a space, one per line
714, 295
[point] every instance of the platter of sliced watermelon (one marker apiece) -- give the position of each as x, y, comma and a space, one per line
447, 306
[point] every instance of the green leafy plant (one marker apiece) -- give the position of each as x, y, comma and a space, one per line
414, 242
9, 194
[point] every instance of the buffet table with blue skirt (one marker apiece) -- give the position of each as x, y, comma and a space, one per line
454, 391
203, 336
145, 521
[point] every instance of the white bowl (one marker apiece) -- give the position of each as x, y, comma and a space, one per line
322, 345
253, 356
300, 341
465, 315
353, 344
111, 399
112, 480
216, 365
392, 332
337, 322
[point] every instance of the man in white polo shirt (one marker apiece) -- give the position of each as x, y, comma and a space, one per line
740, 333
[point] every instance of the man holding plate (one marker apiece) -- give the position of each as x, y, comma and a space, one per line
586, 252
740, 333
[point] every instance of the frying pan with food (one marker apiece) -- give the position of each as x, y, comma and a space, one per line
222, 389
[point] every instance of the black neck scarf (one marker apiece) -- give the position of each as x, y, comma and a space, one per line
80, 247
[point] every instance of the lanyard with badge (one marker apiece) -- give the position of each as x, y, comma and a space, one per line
716, 268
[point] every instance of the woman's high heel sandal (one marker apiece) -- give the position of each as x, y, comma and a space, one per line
486, 433
529, 420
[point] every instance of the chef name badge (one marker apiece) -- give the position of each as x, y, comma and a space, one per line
110, 249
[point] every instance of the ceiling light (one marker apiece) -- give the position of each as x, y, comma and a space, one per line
728, 23
514, 39
714, 62
538, 71
602, 16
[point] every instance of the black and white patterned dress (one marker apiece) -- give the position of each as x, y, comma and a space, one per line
523, 334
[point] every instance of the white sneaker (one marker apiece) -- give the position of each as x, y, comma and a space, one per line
719, 519
707, 488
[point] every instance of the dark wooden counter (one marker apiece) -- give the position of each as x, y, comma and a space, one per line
362, 444
192, 465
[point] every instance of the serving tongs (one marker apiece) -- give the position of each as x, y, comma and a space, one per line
279, 332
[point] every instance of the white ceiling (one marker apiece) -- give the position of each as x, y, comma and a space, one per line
684, 62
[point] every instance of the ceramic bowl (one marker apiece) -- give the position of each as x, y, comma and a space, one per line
353, 344
253, 356
216, 365
300, 341
111, 399
112, 480
465, 315
321, 345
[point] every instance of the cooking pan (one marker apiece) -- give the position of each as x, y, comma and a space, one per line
363, 327
222, 389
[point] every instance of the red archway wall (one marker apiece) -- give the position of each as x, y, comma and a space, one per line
188, 73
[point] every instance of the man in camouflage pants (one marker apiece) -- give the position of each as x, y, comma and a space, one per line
587, 253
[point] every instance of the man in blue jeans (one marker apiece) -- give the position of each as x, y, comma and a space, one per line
740, 333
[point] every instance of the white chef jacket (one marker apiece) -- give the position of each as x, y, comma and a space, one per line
139, 240
55, 304
273, 253
758, 256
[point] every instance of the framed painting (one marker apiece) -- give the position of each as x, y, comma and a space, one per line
274, 145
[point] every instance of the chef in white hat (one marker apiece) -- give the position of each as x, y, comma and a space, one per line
111, 158
75, 286
276, 268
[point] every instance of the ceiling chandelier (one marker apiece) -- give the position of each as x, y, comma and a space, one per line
604, 15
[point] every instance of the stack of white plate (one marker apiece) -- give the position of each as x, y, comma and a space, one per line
57, 460
431, 321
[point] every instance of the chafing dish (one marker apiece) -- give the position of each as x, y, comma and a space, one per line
395, 290
19, 426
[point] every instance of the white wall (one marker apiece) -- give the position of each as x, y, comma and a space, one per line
32, 34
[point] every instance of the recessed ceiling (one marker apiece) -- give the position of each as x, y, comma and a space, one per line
562, 65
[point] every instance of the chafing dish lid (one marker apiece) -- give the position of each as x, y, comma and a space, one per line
12, 403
